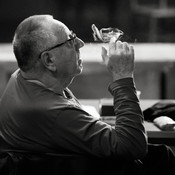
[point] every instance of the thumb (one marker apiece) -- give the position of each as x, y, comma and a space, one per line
104, 55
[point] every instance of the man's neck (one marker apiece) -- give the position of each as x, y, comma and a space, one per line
50, 82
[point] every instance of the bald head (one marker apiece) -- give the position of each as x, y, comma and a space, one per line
33, 35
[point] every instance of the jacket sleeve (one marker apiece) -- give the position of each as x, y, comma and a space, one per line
83, 133
129, 126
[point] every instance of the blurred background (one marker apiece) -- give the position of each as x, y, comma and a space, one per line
151, 23
143, 20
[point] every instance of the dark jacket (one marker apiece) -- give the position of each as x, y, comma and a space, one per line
34, 118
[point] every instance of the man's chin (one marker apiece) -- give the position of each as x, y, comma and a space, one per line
80, 66
80, 69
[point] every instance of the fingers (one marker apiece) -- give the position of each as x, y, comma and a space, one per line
131, 50
120, 59
120, 47
104, 54
112, 45
125, 46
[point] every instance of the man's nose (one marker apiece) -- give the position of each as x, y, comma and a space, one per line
80, 43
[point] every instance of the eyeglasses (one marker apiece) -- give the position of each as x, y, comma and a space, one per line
72, 37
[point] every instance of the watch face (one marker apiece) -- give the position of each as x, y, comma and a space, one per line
105, 34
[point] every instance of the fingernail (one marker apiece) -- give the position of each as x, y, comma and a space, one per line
113, 39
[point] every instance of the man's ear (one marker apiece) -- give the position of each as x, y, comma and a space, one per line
48, 61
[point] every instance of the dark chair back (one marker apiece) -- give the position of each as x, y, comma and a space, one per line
25, 163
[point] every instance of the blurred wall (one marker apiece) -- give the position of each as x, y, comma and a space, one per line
79, 15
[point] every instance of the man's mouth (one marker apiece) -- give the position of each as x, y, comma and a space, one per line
80, 61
